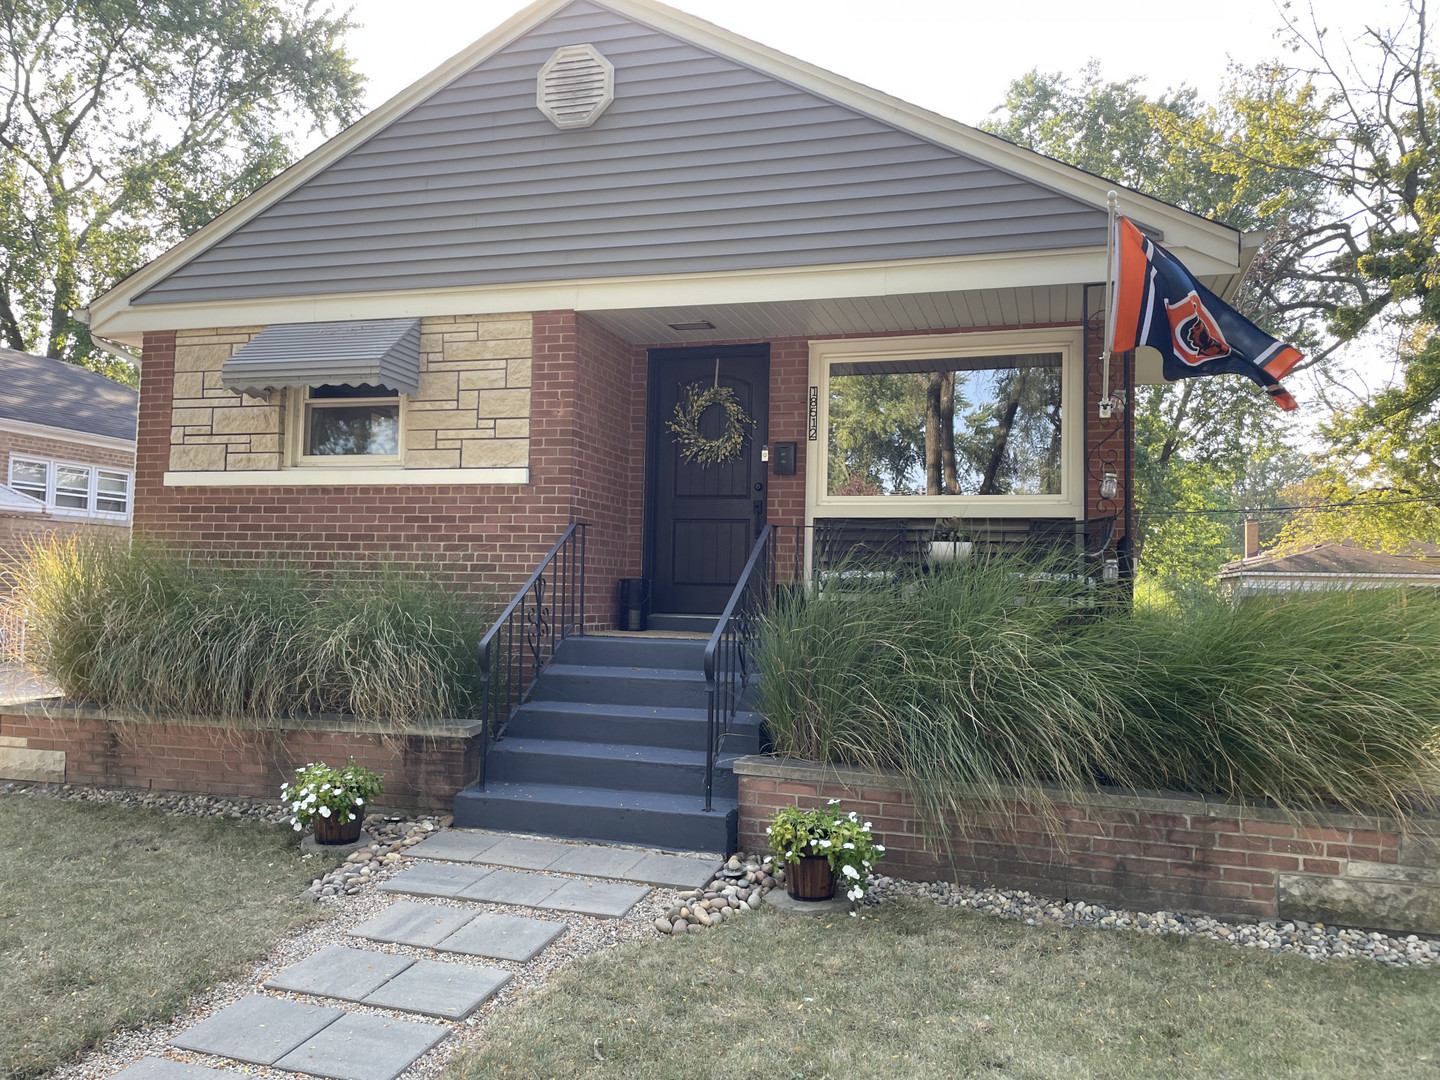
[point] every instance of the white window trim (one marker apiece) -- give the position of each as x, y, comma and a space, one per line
1068, 341
295, 456
91, 511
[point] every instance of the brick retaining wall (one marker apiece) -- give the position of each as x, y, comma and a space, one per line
1158, 852
57, 743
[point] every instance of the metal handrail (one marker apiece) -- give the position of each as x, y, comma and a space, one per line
547, 609
730, 644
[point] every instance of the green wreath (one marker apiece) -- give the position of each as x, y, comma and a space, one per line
685, 425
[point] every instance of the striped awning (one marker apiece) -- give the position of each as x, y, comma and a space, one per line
377, 352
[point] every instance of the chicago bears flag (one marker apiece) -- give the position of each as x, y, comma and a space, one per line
1155, 301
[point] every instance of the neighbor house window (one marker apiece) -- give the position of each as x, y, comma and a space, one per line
949, 425
350, 422
72, 489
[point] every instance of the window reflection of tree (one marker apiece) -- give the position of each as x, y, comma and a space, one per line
971, 427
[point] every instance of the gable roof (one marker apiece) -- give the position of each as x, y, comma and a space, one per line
1330, 558
54, 394
717, 155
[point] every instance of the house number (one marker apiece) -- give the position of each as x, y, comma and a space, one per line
814, 413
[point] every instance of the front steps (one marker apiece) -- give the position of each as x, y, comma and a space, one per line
611, 747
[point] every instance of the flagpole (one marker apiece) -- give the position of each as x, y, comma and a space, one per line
1107, 406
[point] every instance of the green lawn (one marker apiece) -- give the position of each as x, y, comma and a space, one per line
923, 992
110, 916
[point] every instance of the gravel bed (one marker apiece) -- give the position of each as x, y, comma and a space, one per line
1314, 940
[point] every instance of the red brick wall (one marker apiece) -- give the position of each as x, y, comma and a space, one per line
421, 771
1185, 854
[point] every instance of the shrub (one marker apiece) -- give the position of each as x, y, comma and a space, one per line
321, 791
152, 631
986, 677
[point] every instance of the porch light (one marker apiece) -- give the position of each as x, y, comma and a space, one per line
702, 325
1109, 485
1111, 572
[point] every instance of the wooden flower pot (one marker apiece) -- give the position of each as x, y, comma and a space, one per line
810, 879
332, 830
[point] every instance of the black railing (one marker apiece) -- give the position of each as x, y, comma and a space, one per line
548, 608
730, 653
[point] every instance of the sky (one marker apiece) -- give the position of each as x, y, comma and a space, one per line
955, 57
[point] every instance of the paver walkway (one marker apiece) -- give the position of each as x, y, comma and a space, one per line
479, 867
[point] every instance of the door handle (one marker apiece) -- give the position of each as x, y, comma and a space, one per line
759, 513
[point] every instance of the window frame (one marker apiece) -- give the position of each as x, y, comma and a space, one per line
1070, 502
92, 486
298, 405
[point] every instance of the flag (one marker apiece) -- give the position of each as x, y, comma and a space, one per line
1155, 301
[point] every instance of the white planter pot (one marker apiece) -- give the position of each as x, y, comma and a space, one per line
947, 551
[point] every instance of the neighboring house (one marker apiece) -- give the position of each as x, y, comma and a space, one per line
467, 320
1331, 565
67, 447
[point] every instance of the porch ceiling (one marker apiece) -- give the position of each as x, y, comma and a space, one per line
1035, 305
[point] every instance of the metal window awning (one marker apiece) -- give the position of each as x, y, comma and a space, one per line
378, 352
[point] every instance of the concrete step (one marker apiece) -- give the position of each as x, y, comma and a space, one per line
667, 687
621, 766
699, 624
674, 822
639, 725
632, 652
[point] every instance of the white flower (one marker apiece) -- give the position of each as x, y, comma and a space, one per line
351, 818
767, 830
879, 847
297, 827
855, 894
850, 872
866, 826
359, 801
833, 802
825, 843
325, 811
848, 846
854, 816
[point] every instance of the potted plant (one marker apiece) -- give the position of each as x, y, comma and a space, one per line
949, 542
332, 800
821, 847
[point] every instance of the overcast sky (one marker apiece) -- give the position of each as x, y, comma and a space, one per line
953, 56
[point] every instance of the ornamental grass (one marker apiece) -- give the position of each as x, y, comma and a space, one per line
150, 631
1007, 678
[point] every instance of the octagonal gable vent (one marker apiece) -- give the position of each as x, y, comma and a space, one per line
575, 86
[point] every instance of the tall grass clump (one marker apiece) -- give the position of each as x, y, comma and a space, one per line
995, 678
144, 629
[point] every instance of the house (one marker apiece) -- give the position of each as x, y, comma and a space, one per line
514, 297
67, 447
1331, 565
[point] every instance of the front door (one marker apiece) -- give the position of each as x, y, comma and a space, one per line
703, 518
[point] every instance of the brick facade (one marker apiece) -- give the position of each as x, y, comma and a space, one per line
1164, 852
84, 746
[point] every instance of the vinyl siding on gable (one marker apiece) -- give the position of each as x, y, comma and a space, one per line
701, 164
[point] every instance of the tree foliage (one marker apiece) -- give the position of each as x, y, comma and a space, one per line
125, 125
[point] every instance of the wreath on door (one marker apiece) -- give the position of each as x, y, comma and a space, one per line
695, 448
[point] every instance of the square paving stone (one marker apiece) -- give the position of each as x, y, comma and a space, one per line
503, 937
338, 972
449, 991
597, 862
154, 1068
525, 854
513, 887
452, 846
607, 899
257, 1029
678, 871
409, 923
435, 879
364, 1047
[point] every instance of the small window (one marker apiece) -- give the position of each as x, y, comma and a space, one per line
72, 487
351, 421
112, 492
30, 478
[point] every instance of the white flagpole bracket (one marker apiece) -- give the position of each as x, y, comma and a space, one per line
1106, 406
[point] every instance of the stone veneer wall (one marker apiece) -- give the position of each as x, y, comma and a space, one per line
472, 409
55, 743
1162, 851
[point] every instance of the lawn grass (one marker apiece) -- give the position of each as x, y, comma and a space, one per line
923, 992
112, 916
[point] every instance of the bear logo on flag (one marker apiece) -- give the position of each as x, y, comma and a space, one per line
1197, 335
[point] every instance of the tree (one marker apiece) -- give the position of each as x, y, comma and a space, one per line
1380, 519
127, 124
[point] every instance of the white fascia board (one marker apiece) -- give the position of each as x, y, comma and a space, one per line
350, 477
1038, 268
81, 438
1205, 246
